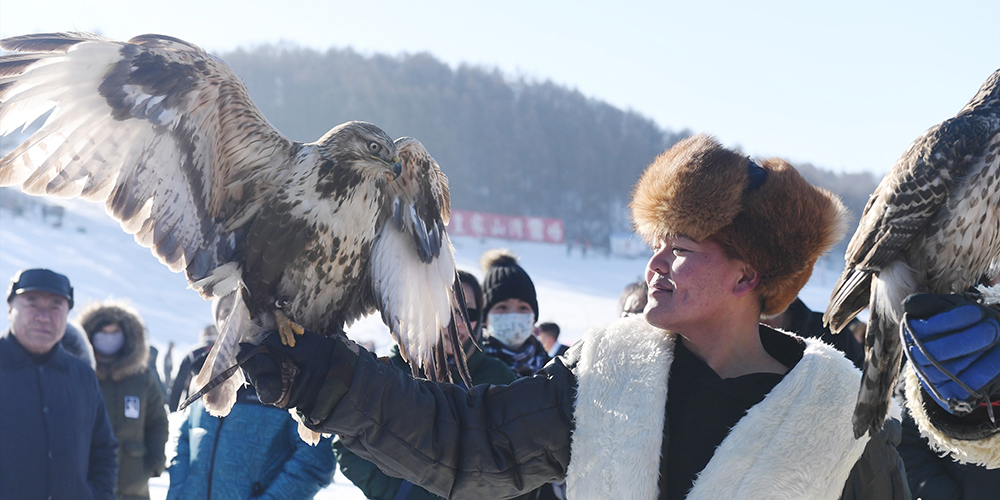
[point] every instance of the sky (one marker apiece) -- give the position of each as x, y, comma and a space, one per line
844, 85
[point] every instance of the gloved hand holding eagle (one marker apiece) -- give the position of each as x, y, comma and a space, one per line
311, 235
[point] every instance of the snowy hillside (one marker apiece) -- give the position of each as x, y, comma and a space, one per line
104, 262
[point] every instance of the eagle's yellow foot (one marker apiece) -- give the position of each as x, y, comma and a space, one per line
288, 329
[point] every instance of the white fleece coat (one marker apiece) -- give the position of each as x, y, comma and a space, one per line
796, 443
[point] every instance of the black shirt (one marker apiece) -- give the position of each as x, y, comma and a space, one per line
702, 408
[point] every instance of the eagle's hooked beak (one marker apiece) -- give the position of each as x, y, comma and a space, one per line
397, 168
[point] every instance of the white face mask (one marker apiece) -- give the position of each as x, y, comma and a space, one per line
511, 329
108, 343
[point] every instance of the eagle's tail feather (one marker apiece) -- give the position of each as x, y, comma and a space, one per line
220, 400
850, 296
883, 354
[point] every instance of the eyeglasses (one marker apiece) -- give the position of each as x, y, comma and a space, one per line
473, 313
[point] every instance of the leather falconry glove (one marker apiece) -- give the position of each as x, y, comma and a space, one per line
316, 372
953, 343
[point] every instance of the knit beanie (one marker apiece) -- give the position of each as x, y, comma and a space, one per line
504, 279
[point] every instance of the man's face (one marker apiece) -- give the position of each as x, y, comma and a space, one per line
690, 283
38, 320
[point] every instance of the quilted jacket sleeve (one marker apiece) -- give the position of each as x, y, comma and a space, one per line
492, 442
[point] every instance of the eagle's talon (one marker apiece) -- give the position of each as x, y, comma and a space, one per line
288, 329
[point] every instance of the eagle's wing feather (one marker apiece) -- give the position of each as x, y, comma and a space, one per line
412, 277
159, 130
901, 207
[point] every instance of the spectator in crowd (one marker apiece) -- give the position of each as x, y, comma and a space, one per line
253, 452
195, 358
801, 320
483, 369
548, 334
55, 438
77, 345
132, 394
633, 299
511, 310
752, 412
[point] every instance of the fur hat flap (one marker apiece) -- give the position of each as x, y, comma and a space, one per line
785, 227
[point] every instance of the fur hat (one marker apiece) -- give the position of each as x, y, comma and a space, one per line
766, 213
504, 279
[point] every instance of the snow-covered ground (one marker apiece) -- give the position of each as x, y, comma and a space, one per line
103, 262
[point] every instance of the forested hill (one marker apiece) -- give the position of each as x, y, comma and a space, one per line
508, 145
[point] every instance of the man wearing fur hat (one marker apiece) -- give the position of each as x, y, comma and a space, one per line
55, 438
132, 394
752, 412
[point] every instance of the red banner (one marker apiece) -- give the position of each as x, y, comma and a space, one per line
484, 225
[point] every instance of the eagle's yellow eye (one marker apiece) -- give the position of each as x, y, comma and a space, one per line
374, 147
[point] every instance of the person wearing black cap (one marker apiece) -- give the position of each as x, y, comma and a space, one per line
510, 311
55, 434
752, 412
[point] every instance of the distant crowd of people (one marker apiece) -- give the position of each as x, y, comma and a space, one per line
83, 411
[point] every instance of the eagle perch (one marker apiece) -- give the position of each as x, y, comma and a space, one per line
932, 225
166, 136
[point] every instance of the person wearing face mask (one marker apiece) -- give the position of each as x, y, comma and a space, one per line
511, 310
132, 394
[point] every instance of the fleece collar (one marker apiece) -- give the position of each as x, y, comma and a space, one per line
797, 443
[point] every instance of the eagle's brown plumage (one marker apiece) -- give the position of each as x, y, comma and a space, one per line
167, 137
932, 225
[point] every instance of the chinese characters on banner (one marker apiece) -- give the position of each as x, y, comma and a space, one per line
484, 225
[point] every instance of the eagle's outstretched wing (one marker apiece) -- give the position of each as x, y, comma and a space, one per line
413, 272
932, 224
156, 128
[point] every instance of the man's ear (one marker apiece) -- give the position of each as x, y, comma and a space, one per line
748, 281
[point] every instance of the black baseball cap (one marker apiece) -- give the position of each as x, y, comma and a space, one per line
44, 280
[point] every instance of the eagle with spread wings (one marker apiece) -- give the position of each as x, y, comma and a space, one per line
308, 235
932, 225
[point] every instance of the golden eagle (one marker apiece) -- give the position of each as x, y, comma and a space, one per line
932, 225
315, 235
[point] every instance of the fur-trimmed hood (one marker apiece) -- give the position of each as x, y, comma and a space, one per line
134, 355
767, 213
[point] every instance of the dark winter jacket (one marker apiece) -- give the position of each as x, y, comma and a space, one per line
807, 323
55, 438
376, 484
525, 361
254, 452
500, 441
935, 477
133, 398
